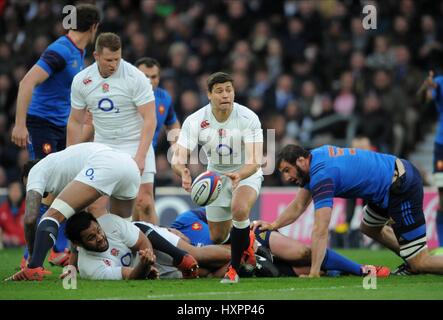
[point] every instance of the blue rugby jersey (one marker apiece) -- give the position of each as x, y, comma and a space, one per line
62, 60
437, 95
194, 225
350, 173
165, 112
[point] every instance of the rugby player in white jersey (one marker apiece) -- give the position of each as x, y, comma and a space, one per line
76, 176
232, 138
122, 104
108, 248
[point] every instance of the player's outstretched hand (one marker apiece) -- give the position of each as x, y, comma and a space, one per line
235, 179
147, 257
262, 225
20, 136
186, 180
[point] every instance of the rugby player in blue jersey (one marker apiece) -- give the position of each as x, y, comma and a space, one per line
432, 90
393, 188
43, 101
165, 117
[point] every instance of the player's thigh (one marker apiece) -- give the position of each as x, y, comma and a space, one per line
243, 200
42, 142
75, 195
122, 208
99, 207
406, 209
245, 196
287, 248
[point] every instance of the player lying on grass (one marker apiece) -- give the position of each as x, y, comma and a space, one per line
77, 176
108, 247
393, 188
289, 256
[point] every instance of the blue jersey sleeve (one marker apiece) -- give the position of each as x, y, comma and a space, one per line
54, 58
171, 117
436, 93
323, 193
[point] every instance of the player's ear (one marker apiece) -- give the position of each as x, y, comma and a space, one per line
95, 54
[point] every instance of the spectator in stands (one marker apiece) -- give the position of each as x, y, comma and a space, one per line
12, 212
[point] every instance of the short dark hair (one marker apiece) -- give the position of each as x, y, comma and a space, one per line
87, 16
218, 77
78, 223
108, 40
290, 153
147, 61
28, 166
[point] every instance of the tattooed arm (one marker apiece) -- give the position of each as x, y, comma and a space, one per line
33, 201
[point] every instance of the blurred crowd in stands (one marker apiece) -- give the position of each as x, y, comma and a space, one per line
309, 69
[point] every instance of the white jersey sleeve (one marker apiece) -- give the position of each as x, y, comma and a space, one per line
189, 133
143, 92
98, 269
128, 232
253, 132
78, 100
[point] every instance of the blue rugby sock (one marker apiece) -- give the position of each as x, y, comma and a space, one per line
45, 238
439, 226
335, 261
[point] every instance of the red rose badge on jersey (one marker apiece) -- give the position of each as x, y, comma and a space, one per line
115, 252
204, 124
105, 87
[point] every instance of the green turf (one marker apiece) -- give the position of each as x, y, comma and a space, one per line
348, 287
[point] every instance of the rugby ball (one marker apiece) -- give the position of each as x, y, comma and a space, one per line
206, 188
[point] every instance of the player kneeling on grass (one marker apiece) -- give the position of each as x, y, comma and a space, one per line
393, 188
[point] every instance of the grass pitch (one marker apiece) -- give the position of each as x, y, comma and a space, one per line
427, 287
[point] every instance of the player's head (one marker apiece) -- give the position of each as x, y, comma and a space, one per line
221, 90
108, 53
151, 68
83, 230
88, 19
293, 162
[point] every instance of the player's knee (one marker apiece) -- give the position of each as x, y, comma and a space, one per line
418, 263
367, 230
240, 211
218, 238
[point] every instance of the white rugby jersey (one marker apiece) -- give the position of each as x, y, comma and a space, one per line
121, 235
56, 170
223, 143
113, 101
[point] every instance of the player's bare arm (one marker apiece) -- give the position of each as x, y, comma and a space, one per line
319, 239
35, 76
147, 111
74, 129
179, 161
292, 212
33, 201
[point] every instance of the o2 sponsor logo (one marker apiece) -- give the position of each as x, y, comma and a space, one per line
107, 105
223, 150
90, 174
